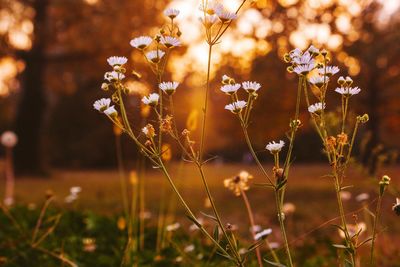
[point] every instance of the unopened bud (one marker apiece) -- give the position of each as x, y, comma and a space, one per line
349, 81
104, 86
341, 81
363, 119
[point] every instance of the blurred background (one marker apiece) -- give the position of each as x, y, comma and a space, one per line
53, 58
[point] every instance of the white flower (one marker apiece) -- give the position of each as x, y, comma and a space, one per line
255, 228
189, 248
102, 104
316, 107
113, 76
146, 131
353, 229
169, 41
9, 139
328, 70
225, 16
275, 147
230, 89
75, 190
362, 197
173, 227
155, 55
211, 7
151, 100
236, 107
168, 87
111, 111
171, 13
304, 59
304, 69
209, 20
251, 86
263, 234
318, 80
117, 61
348, 91
295, 53
141, 42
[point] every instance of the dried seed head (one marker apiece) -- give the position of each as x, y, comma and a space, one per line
185, 132
363, 119
166, 124
342, 139
331, 143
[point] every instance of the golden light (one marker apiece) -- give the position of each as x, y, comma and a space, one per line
287, 3
297, 39
343, 23
9, 69
91, 2
20, 40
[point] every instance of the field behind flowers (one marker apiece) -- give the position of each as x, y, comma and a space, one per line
311, 193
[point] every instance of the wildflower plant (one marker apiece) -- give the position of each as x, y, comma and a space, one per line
313, 71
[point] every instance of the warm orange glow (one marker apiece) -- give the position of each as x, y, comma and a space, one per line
9, 69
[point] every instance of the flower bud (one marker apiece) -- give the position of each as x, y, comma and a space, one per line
104, 86
324, 52
290, 69
363, 119
287, 58
396, 207
179, 33
341, 81
349, 81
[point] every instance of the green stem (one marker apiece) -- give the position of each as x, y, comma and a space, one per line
203, 129
282, 226
376, 219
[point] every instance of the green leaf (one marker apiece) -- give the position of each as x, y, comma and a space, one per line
346, 187
255, 245
365, 241
281, 184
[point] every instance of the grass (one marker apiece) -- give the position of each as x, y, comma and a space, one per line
311, 192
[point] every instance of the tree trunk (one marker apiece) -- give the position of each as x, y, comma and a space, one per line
31, 108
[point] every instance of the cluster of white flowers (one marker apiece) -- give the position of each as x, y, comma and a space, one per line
112, 76
230, 89
348, 91
274, 147
302, 63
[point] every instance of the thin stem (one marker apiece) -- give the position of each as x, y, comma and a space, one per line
255, 157
215, 211
376, 219
188, 210
252, 224
203, 129
282, 226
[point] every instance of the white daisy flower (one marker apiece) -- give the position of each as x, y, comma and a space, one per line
304, 59
275, 147
303, 69
318, 80
171, 13
168, 87
317, 107
111, 111
173, 227
102, 104
236, 107
328, 70
169, 41
264, 233
211, 7
230, 89
151, 100
348, 91
251, 87
117, 61
226, 16
209, 20
155, 55
9, 139
295, 53
112, 76
141, 42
